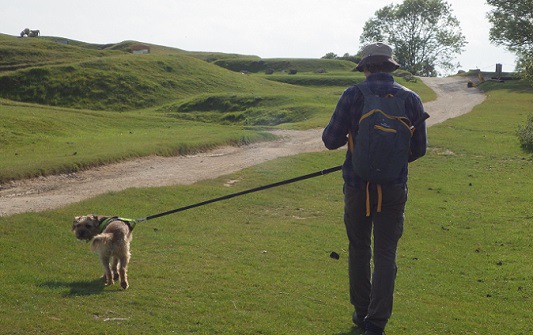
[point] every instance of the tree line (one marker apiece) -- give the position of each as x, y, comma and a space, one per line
426, 35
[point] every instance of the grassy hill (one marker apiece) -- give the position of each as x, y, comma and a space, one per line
285, 65
19, 53
111, 78
61, 98
124, 82
46, 50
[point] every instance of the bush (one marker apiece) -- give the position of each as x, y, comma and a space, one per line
524, 66
525, 134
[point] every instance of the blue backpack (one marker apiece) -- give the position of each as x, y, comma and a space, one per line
383, 137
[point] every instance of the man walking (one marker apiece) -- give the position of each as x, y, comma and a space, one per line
370, 205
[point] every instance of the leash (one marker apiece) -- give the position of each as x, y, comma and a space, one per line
233, 195
133, 222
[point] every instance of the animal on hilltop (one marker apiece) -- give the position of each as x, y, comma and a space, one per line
30, 33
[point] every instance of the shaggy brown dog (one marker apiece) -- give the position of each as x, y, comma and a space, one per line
111, 237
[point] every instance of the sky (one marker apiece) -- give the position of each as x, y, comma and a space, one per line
265, 28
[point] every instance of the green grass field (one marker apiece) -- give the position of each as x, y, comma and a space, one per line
259, 264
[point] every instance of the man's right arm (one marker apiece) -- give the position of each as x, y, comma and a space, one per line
335, 134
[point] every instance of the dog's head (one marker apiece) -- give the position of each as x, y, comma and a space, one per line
86, 227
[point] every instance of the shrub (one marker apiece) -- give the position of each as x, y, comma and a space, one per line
405, 75
524, 66
525, 134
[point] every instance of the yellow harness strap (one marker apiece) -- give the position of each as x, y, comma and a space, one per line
380, 198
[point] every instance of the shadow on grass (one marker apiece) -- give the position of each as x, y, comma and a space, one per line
352, 331
88, 287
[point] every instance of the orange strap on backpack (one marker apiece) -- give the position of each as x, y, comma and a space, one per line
380, 192
380, 198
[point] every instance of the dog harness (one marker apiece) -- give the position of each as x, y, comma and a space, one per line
129, 222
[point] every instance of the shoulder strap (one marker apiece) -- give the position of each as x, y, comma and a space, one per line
402, 93
363, 87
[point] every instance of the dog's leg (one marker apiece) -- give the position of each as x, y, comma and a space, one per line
108, 275
115, 268
123, 269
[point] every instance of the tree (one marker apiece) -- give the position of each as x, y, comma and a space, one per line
512, 27
424, 34
330, 55
346, 56
355, 58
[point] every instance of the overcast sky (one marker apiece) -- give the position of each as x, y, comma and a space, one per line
266, 28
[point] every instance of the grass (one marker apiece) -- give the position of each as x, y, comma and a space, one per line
19, 53
125, 82
285, 65
477, 230
108, 77
39, 141
525, 134
259, 264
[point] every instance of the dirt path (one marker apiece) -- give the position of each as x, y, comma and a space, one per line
39, 194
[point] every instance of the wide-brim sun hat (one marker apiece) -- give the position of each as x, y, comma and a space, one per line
377, 53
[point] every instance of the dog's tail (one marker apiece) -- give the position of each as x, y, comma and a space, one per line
101, 240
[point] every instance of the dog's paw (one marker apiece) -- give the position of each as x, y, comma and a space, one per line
124, 284
107, 280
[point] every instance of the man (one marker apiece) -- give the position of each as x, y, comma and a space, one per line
369, 206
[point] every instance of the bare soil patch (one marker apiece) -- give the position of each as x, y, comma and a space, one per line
39, 194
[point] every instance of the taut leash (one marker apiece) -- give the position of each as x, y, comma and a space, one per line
133, 222
233, 195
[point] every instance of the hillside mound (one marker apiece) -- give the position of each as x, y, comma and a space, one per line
271, 65
57, 72
120, 82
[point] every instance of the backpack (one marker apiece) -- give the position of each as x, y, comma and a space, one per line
383, 137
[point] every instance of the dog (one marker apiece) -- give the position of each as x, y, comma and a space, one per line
110, 237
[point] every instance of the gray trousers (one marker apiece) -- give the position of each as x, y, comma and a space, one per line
372, 295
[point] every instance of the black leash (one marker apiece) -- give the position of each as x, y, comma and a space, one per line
260, 188
233, 195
